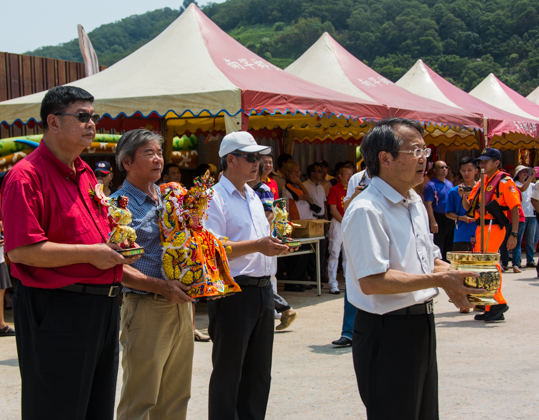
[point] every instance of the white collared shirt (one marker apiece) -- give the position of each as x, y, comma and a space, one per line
362, 178
527, 206
239, 218
318, 195
383, 230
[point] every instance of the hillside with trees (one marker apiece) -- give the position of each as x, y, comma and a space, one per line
463, 40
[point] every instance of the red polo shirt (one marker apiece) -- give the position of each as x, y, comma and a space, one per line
273, 187
43, 200
336, 196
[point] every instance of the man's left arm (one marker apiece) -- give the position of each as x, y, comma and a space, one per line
512, 241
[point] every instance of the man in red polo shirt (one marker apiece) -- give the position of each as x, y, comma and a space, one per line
267, 169
336, 202
65, 307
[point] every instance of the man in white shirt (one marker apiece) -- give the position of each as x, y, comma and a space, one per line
393, 272
241, 326
314, 187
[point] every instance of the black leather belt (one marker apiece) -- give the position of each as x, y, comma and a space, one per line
252, 281
419, 309
87, 289
487, 222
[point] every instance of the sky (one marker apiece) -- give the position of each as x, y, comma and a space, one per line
30, 24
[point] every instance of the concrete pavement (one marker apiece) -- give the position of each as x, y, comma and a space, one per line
488, 371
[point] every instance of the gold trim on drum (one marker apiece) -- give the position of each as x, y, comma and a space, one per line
475, 257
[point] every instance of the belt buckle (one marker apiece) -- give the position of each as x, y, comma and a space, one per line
112, 288
430, 307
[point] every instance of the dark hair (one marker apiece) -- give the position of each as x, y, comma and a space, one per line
338, 167
382, 138
130, 142
324, 164
282, 159
59, 98
224, 163
311, 168
466, 160
167, 167
202, 169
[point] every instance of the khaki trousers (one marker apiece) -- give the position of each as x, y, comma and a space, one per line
158, 343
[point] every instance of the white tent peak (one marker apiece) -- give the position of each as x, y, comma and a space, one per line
331, 74
419, 81
490, 91
534, 96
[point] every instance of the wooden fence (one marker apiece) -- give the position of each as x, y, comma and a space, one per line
22, 75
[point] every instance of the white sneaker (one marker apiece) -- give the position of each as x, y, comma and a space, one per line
277, 315
334, 289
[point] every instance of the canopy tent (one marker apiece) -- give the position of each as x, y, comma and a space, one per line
195, 70
503, 129
534, 96
328, 64
493, 91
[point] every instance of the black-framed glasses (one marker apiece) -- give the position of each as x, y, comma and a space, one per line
100, 175
418, 152
83, 117
249, 157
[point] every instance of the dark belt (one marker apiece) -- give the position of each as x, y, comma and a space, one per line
86, 289
419, 309
252, 281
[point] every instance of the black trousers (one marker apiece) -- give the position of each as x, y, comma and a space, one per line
444, 238
462, 247
68, 353
395, 364
280, 303
241, 328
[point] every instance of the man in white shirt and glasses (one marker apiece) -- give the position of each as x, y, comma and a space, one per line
393, 272
241, 326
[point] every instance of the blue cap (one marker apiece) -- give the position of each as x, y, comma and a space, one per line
490, 153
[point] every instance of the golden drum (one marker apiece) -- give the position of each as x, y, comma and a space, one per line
485, 264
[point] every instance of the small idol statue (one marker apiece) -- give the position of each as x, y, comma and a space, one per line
120, 218
281, 227
192, 254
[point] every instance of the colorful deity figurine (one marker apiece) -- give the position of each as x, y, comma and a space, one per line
281, 227
192, 254
119, 218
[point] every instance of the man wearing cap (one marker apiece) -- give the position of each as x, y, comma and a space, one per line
241, 326
66, 304
501, 196
104, 175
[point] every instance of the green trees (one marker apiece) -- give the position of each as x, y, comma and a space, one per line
463, 40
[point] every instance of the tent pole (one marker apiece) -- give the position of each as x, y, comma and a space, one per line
485, 132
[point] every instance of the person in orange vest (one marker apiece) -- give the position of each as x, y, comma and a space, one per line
501, 196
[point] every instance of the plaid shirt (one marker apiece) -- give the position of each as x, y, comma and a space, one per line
145, 222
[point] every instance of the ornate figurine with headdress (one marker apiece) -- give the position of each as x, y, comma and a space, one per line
281, 227
120, 218
192, 254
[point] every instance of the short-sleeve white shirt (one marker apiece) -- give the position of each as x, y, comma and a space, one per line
383, 230
359, 178
318, 195
239, 218
527, 195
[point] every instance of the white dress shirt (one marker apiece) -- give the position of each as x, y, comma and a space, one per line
362, 178
318, 195
383, 230
304, 208
527, 206
239, 218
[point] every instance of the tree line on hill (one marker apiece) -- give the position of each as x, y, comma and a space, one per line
463, 40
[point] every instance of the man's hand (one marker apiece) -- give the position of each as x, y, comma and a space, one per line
174, 292
1, 242
467, 219
453, 284
271, 247
127, 260
103, 256
433, 227
511, 242
295, 178
462, 193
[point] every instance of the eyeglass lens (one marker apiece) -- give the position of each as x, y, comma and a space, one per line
85, 117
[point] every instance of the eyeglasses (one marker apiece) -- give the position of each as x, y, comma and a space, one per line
250, 157
83, 117
318, 171
418, 152
100, 175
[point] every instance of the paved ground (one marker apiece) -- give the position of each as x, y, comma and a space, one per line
488, 371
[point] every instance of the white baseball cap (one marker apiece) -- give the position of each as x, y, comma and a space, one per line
243, 142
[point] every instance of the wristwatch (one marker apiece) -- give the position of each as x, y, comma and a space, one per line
515, 234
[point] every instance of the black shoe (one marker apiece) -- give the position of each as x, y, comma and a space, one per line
531, 265
479, 317
342, 342
294, 288
495, 314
